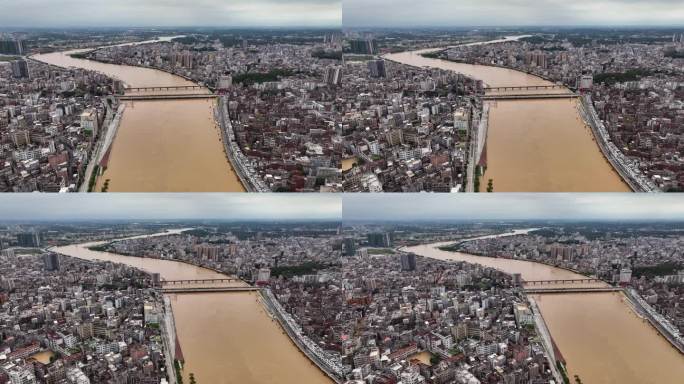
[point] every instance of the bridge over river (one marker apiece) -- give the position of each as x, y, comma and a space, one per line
602, 339
166, 92
581, 285
522, 92
166, 134
228, 284
533, 138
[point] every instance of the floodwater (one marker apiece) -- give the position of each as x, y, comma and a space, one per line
601, 338
225, 337
348, 163
533, 145
160, 146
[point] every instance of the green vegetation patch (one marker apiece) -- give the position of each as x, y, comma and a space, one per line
611, 78
262, 77
664, 269
380, 251
330, 55
306, 268
100, 248
79, 55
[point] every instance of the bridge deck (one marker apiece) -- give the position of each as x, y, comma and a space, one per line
521, 87
201, 281
521, 96
563, 281
210, 289
573, 290
169, 96
163, 88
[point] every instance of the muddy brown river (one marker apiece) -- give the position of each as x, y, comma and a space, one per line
160, 146
601, 338
226, 338
536, 145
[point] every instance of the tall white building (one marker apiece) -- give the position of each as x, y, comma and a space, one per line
264, 274
19, 375
625, 275
89, 121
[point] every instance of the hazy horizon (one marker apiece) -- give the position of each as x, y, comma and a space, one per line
170, 13
513, 207
511, 13
168, 206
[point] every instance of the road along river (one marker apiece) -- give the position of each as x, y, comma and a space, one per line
161, 145
225, 337
599, 335
533, 145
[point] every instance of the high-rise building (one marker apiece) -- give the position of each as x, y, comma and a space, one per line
333, 75
20, 69
395, 137
349, 245
207, 252
186, 60
263, 275
51, 261
21, 137
408, 262
377, 68
8, 253
19, 374
536, 58
379, 239
225, 81
28, 239
625, 275
90, 121
361, 46
586, 82
11, 47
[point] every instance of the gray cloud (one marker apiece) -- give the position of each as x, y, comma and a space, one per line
222, 13
152, 206
393, 13
512, 206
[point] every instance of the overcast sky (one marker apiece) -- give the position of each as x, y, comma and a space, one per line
506, 206
123, 206
453, 13
143, 13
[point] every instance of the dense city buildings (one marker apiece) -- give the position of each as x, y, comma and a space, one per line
277, 101
64, 320
404, 129
49, 124
322, 110
253, 253
633, 80
649, 260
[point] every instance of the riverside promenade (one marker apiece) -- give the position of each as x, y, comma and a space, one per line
331, 365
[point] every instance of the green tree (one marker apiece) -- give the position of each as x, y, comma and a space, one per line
179, 375
490, 185
192, 379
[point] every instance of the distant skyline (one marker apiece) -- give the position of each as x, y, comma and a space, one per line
160, 13
454, 13
169, 206
513, 206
